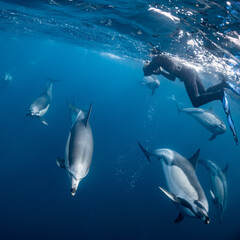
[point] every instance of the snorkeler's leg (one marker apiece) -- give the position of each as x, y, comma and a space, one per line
199, 100
201, 88
217, 87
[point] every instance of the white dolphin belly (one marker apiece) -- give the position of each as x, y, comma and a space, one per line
83, 148
180, 186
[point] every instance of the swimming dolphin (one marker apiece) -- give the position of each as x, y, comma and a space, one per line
151, 82
185, 189
7, 78
40, 105
207, 119
218, 185
79, 149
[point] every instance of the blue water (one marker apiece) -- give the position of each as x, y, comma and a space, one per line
97, 50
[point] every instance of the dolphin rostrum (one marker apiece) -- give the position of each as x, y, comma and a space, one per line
151, 82
79, 148
218, 185
207, 119
40, 105
184, 188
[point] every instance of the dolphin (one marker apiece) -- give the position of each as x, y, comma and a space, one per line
218, 185
184, 188
41, 104
207, 119
79, 148
7, 78
151, 82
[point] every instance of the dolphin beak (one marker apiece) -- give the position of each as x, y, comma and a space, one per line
73, 191
207, 220
74, 185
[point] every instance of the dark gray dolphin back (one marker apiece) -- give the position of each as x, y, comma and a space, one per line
188, 167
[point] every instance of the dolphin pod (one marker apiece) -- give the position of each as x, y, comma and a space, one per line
184, 188
41, 104
218, 185
79, 148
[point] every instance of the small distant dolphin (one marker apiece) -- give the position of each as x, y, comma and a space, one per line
218, 185
207, 119
41, 105
7, 77
185, 189
79, 149
151, 82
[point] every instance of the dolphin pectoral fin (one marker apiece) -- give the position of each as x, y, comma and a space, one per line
212, 137
225, 170
146, 153
60, 162
153, 91
194, 159
42, 120
199, 204
88, 115
172, 196
213, 197
179, 218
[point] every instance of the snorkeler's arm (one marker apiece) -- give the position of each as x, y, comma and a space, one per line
165, 74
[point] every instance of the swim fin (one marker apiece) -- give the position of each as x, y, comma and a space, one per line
225, 103
233, 87
229, 117
231, 125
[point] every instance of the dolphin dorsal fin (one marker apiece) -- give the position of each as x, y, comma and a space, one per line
194, 159
88, 115
225, 170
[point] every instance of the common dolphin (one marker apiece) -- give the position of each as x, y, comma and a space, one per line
207, 119
151, 82
185, 189
218, 185
7, 78
79, 149
40, 105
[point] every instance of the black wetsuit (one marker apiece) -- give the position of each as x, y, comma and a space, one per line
195, 89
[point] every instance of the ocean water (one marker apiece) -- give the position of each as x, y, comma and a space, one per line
97, 50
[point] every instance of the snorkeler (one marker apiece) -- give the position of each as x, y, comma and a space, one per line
169, 68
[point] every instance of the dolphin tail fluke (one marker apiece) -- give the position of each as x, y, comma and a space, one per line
212, 137
177, 105
179, 218
60, 162
52, 80
146, 153
88, 115
73, 108
42, 120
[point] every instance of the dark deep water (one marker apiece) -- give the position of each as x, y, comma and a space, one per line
96, 49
